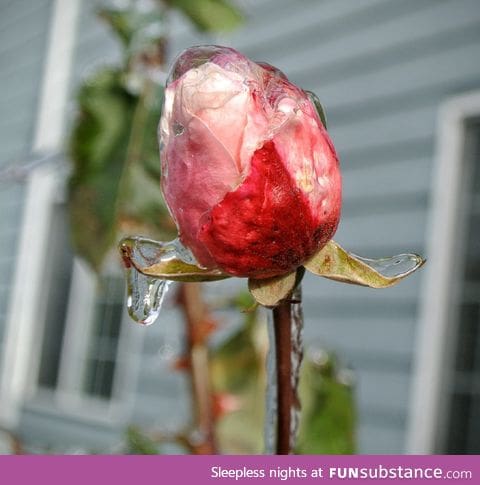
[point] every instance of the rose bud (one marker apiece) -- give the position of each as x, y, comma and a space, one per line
249, 172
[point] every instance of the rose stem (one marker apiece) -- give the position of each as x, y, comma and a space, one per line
195, 313
287, 319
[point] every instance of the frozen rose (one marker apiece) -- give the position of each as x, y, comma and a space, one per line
249, 172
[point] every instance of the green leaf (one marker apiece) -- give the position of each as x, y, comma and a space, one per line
128, 21
210, 15
113, 145
163, 261
328, 419
138, 443
142, 31
269, 292
334, 263
237, 368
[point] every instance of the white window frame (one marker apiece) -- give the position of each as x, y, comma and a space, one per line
21, 363
69, 395
19, 332
435, 338
20, 360
20, 328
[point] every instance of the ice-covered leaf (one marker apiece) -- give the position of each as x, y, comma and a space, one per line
334, 263
168, 261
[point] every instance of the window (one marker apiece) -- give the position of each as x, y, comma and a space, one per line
445, 404
101, 358
58, 274
70, 339
83, 322
463, 388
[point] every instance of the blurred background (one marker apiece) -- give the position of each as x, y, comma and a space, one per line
400, 83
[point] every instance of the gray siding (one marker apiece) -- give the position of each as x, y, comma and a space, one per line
23, 35
95, 46
381, 68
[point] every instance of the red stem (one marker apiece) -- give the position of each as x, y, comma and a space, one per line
282, 328
287, 317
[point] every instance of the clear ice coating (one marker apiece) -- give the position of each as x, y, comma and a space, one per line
145, 294
270, 423
178, 129
394, 267
270, 427
192, 58
297, 357
143, 252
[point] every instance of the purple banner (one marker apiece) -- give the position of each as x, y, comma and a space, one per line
119, 470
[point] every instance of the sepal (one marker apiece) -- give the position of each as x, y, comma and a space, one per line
164, 261
269, 292
334, 263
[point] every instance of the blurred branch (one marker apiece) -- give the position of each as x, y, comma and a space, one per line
198, 327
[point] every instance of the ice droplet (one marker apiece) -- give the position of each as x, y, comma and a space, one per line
145, 294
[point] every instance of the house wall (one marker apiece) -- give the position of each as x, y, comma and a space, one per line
23, 39
381, 68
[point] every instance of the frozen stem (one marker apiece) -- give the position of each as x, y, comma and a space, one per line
288, 325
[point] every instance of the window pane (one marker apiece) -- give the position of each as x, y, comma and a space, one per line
56, 286
103, 348
464, 419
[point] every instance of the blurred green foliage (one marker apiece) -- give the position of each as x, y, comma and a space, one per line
210, 15
328, 416
138, 443
238, 369
129, 22
114, 186
328, 419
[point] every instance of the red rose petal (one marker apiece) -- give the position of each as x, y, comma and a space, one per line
265, 227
